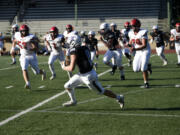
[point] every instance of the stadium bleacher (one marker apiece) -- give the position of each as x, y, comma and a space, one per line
8, 11
91, 13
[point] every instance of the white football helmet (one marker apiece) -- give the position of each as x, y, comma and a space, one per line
113, 24
74, 41
91, 33
104, 26
155, 27
15, 26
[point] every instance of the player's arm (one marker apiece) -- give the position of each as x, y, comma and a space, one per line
104, 42
72, 64
172, 37
13, 45
143, 44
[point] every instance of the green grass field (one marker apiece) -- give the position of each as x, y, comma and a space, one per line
153, 111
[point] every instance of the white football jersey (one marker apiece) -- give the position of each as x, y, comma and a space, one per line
66, 34
176, 35
24, 43
55, 44
137, 38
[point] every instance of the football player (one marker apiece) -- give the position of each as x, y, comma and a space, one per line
91, 43
28, 48
158, 36
67, 33
138, 39
1, 44
54, 42
124, 40
80, 56
117, 35
175, 37
15, 28
84, 37
114, 49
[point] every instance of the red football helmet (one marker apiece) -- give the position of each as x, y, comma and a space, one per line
69, 27
177, 24
178, 27
54, 31
24, 30
135, 23
127, 24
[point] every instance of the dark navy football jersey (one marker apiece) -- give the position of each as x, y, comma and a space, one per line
158, 38
111, 35
91, 43
83, 58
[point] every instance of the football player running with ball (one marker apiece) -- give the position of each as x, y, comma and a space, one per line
28, 48
80, 56
138, 40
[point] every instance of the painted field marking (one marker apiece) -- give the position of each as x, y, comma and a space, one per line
13, 67
110, 113
43, 86
8, 87
31, 108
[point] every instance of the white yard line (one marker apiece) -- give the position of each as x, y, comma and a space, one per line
111, 113
30, 109
13, 67
8, 87
43, 86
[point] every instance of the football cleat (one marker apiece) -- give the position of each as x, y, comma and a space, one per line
27, 86
146, 85
165, 63
52, 77
113, 69
43, 75
121, 101
13, 63
95, 66
69, 103
122, 77
130, 63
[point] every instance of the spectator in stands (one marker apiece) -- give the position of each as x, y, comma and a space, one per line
1, 43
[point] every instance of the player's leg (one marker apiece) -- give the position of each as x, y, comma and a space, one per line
69, 86
178, 54
24, 62
106, 60
144, 67
51, 60
35, 67
91, 80
118, 58
160, 53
